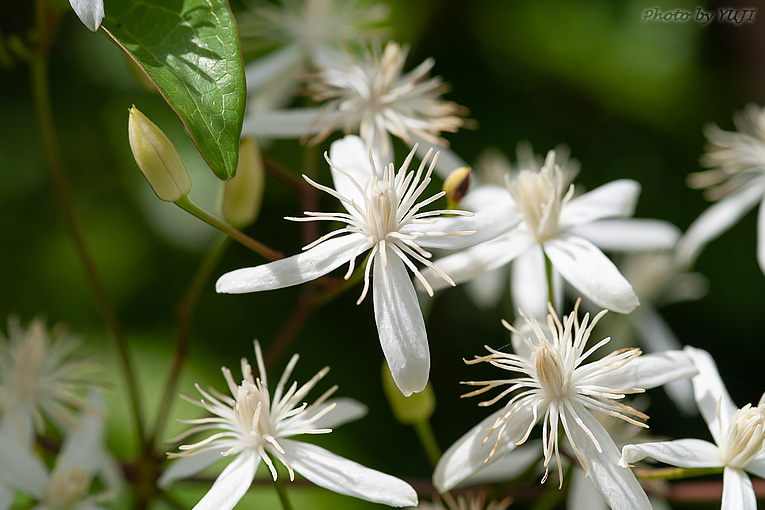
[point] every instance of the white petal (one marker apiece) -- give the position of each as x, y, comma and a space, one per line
582, 494
350, 154
466, 456
231, 484
292, 123
738, 493
21, 469
488, 195
306, 266
617, 485
488, 223
617, 198
346, 409
83, 446
585, 267
508, 467
400, 325
344, 476
756, 466
710, 394
185, 467
688, 453
90, 12
761, 236
468, 264
485, 290
715, 220
629, 234
648, 371
7, 496
268, 68
528, 283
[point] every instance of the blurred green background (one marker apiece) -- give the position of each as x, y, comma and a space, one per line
629, 98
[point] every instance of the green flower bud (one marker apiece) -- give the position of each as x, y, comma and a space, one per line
456, 185
416, 408
243, 194
157, 158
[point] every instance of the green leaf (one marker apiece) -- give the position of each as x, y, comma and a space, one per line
190, 50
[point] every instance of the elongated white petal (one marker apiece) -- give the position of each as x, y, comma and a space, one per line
400, 325
468, 264
615, 199
185, 467
344, 476
617, 485
466, 456
350, 154
756, 466
585, 267
649, 371
231, 484
528, 282
21, 469
269, 68
710, 392
488, 195
761, 236
689, 453
509, 466
738, 493
488, 223
629, 234
346, 409
306, 266
715, 220
90, 12
485, 290
583, 495
292, 123
83, 445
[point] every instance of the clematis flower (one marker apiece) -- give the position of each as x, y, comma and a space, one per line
90, 12
736, 180
305, 33
558, 388
739, 436
252, 426
372, 96
82, 459
383, 218
40, 376
568, 231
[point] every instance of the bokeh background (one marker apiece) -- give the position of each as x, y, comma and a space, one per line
630, 98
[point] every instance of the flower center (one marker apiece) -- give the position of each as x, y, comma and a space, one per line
551, 372
382, 206
253, 414
745, 437
67, 488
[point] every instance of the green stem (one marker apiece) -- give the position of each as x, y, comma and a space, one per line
281, 490
428, 440
676, 473
550, 289
258, 247
183, 313
39, 76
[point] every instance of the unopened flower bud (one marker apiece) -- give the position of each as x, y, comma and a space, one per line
410, 410
456, 185
243, 194
157, 158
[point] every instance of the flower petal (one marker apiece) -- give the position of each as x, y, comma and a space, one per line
351, 155
231, 484
585, 267
7, 496
528, 283
488, 223
185, 467
467, 455
648, 371
618, 486
300, 268
582, 494
90, 12
83, 446
614, 199
485, 290
448, 160
21, 469
284, 61
629, 234
715, 220
469, 263
488, 195
400, 324
508, 467
346, 409
738, 493
292, 123
688, 453
710, 392
344, 476
756, 466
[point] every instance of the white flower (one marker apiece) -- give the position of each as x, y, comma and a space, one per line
307, 33
372, 96
90, 12
382, 216
737, 180
566, 230
40, 377
559, 389
739, 436
81, 459
251, 426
